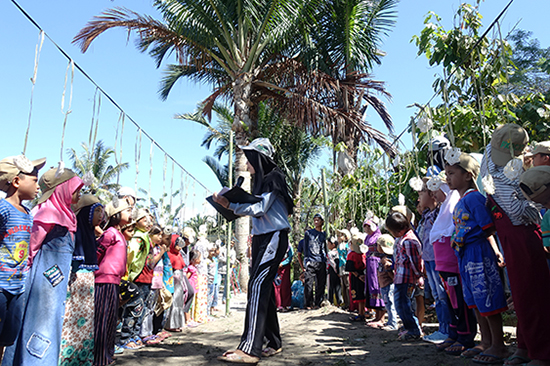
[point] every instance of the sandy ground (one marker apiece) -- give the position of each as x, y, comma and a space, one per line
315, 337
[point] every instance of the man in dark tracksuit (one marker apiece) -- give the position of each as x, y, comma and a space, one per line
312, 254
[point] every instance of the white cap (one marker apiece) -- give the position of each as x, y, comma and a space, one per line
126, 191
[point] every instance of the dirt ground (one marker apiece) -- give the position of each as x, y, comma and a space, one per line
315, 337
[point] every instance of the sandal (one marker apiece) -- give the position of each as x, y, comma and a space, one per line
471, 352
131, 344
232, 357
376, 325
155, 340
488, 359
269, 351
407, 337
517, 360
445, 344
163, 335
175, 330
456, 349
357, 318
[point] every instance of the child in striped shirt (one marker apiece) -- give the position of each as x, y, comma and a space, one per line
19, 179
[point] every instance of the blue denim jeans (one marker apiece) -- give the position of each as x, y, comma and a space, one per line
11, 314
212, 296
39, 340
438, 293
402, 297
387, 296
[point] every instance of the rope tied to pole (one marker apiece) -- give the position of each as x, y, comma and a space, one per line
37, 52
61, 165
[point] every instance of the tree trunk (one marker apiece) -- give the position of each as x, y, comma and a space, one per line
297, 232
244, 126
242, 225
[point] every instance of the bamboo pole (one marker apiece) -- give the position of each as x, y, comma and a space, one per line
229, 227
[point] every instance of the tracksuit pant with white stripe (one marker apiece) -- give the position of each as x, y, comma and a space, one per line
268, 250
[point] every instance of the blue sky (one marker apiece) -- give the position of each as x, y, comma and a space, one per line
132, 80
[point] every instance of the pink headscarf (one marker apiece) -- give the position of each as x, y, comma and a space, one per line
57, 208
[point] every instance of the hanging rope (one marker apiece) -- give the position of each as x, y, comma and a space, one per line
448, 117
137, 155
116, 137
185, 197
194, 195
118, 160
70, 66
151, 151
97, 119
93, 119
181, 197
172, 186
121, 136
504, 61
37, 52
481, 103
164, 179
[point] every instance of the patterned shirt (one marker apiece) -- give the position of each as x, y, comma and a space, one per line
408, 259
15, 233
471, 218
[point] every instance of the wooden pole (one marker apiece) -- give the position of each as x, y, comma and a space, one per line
229, 230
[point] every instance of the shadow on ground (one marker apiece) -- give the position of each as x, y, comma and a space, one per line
317, 337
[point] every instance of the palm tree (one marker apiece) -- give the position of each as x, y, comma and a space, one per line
98, 162
348, 35
248, 51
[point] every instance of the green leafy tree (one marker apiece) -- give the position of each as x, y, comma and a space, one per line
98, 161
532, 64
475, 84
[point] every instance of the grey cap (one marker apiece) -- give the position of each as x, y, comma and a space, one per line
319, 216
261, 145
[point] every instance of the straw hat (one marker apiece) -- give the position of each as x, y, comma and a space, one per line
113, 208
49, 181
386, 242
85, 201
11, 166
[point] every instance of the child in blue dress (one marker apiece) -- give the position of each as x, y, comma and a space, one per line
477, 257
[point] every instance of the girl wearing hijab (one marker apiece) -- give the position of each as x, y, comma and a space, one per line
51, 249
78, 327
372, 287
269, 244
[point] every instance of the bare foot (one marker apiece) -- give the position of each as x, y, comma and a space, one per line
238, 356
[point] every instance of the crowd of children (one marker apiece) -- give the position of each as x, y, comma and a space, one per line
475, 254
477, 251
81, 281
